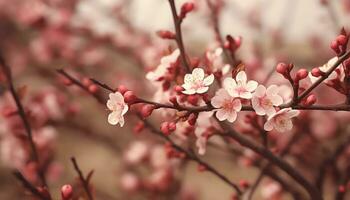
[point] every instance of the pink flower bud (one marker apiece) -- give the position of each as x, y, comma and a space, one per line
282, 68
66, 192
193, 99
316, 72
139, 127
164, 34
86, 82
172, 126
310, 100
93, 88
186, 8
341, 39
192, 119
244, 184
238, 41
164, 127
178, 89
301, 74
341, 188
201, 168
129, 97
122, 89
147, 110
335, 46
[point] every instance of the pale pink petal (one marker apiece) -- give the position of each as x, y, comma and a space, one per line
270, 111
260, 91
121, 121
202, 90
268, 126
189, 92
113, 118
272, 90
276, 100
246, 95
125, 109
198, 74
241, 77
251, 86
232, 116
208, 80
117, 97
217, 101
286, 127
110, 104
293, 113
221, 115
188, 79
237, 106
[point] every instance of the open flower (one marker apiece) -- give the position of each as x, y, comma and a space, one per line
264, 99
227, 106
117, 105
162, 68
240, 87
281, 121
196, 82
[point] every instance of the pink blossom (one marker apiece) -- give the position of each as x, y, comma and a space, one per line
240, 87
264, 100
117, 105
227, 106
281, 120
165, 63
136, 153
197, 82
203, 124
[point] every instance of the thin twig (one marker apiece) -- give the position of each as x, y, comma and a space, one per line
179, 41
22, 114
29, 186
84, 181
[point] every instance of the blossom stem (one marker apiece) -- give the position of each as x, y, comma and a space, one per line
29, 186
312, 190
22, 114
84, 181
179, 40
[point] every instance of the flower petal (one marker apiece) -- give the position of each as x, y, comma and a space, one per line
241, 77
268, 126
251, 86
198, 74
113, 118
221, 114
202, 90
208, 80
232, 116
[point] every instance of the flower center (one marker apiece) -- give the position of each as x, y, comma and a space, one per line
265, 102
228, 104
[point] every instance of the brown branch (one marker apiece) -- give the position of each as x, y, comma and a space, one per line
179, 41
313, 191
29, 186
20, 110
84, 181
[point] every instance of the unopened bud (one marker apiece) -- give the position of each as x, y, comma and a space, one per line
282, 68
316, 72
130, 97
193, 99
301, 74
147, 110
122, 89
164, 34
341, 39
310, 100
66, 192
186, 8
93, 88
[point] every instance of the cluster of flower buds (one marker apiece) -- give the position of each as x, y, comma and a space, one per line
340, 43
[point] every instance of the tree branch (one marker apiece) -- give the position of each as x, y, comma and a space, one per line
84, 181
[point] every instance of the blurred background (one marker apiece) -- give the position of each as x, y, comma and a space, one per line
109, 40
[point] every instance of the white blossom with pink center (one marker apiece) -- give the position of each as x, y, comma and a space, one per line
336, 74
117, 105
165, 63
240, 87
197, 82
227, 106
215, 57
281, 121
264, 100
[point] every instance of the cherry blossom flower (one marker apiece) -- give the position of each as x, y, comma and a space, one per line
336, 74
196, 82
227, 106
264, 100
165, 63
281, 121
216, 60
240, 87
117, 105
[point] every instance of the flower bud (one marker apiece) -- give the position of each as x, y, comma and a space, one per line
282, 68
192, 119
310, 100
164, 127
147, 110
130, 97
316, 72
244, 184
93, 88
122, 89
86, 82
178, 89
335, 46
341, 188
201, 168
193, 99
301, 74
172, 126
186, 8
139, 127
66, 192
341, 40
165, 34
